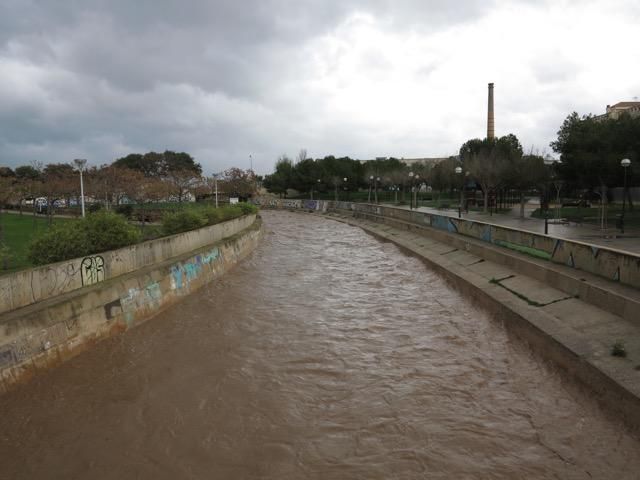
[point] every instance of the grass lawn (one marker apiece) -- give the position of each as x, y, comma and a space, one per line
18, 232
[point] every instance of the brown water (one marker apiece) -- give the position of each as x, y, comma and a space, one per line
325, 355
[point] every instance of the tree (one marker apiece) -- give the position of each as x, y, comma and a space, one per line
60, 182
112, 184
182, 181
302, 155
526, 172
591, 149
282, 179
6, 172
153, 164
305, 175
238, 182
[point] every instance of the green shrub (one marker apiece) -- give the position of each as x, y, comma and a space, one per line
125, 210
108, 231
182, 221
61, 242
247, 208
94, 207
213, 215
5, 257
96, 233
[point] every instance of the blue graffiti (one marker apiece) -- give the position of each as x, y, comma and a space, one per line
486, 234
212, 256
444, 223
176, 275
192, 271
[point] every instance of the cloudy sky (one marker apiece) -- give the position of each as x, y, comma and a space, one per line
224, 80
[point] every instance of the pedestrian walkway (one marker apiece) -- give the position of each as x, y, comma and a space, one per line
611, 237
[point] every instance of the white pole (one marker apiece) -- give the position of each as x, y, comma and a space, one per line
82, 193
80, 163
215, 182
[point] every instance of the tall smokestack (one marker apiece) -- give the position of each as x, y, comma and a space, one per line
490, 121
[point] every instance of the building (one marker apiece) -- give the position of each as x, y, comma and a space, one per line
614, 111
412, 161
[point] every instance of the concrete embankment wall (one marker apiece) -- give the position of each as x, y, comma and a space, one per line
579, 354
36, 284
43, 334
611, 264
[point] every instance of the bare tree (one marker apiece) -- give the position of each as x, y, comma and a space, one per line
487, 167
238, 182
302, 155
182, 182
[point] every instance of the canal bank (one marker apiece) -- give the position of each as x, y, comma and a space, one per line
575, 327
62, 309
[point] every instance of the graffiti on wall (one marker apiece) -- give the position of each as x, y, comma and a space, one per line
92, 270
136, 299
56, 279
32, 344
182, 274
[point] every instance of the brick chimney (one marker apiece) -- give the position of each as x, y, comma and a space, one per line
490, 121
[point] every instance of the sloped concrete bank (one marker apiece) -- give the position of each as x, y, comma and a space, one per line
41, 335
565, 330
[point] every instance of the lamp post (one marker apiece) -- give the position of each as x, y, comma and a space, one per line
415, 190
411, 191
458, 171
376, 189
80, 163
345, 179
625, 162
549, 162
370, 182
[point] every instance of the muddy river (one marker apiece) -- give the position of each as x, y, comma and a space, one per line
325, 355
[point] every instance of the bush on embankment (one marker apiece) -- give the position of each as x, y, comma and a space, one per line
102, 231
196, 217
96, 233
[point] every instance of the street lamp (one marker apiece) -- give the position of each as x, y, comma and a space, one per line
550, 162
370, 183
415, 190
411, 192
459, 172
376, 190
345, 179
80, 163
624, 163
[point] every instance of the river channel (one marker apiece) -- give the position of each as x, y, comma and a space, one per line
326, 354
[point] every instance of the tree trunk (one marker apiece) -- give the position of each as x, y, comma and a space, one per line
485, 192
521, 204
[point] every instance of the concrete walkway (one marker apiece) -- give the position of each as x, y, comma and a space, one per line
576, 335
611, 237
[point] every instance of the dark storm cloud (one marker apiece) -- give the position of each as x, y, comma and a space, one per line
221, 79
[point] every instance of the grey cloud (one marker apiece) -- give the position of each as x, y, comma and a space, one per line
221, 79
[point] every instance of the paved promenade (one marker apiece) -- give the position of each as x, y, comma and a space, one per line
611, 237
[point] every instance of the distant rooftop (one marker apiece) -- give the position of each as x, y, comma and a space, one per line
411, 161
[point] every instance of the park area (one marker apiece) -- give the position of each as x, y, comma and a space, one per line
18, 231
27, 240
